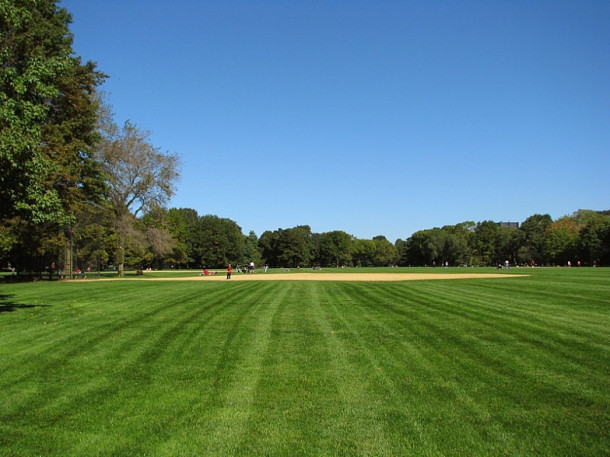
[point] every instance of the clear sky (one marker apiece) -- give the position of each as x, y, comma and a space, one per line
372, 117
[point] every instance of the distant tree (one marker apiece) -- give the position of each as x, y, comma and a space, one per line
268, 244
455, 243
425, 247
510, 241
218, 242
485, 242
561, 240
384, 253
335, 248
295, 246
288, 247
362, 252
159, 242
182, 224
594, 240
140, 177
534, 229
252, 253
401, 247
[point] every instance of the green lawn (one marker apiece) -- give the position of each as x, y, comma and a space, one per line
483, 367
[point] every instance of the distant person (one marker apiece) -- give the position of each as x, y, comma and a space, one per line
266, 268
251, 267
229, 271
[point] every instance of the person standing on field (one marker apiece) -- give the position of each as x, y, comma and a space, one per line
229, 270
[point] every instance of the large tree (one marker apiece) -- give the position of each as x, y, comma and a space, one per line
534, 229
335, 248
218, 242
486, 241
183, 224
561, 240
47, 118
252, 252
594, 240
140, 177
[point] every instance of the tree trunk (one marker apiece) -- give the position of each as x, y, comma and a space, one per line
121, 254
68, 254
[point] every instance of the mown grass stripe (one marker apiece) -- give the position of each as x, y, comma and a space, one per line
223, 403
362, 382
533, 371
413, 362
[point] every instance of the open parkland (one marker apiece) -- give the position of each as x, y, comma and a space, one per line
354, 362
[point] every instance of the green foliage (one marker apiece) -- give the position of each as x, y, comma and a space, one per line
252, 253
561, 239
534, 228
377, 252
335, 248
141, 179
47, 116
183, 226
289, 248
594, 241
582, 236
218, 242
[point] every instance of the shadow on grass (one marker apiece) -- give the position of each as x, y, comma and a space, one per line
7, 305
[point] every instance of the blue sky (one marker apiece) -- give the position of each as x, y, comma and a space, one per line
372, 117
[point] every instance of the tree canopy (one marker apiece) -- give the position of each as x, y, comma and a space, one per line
47, 115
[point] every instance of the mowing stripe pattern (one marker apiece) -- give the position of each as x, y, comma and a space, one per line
480, 368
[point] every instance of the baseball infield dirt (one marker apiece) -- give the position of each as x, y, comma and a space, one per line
221, 276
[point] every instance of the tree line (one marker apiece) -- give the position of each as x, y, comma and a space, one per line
79, 191
581, 238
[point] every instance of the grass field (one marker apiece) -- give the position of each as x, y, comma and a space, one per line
472, 367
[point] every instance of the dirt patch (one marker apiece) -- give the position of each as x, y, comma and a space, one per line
333, 277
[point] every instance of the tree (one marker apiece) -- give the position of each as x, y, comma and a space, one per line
288, 247
268, 245
485, 242
159, 242
510, 240
335, 248
140, 176
47, 119
561, 240
182, 224
384, 253
294, 246
362, 252
252, 253
534, 228
593, 243
218, 242
424, 247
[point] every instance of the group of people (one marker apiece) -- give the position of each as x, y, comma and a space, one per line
244, 269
